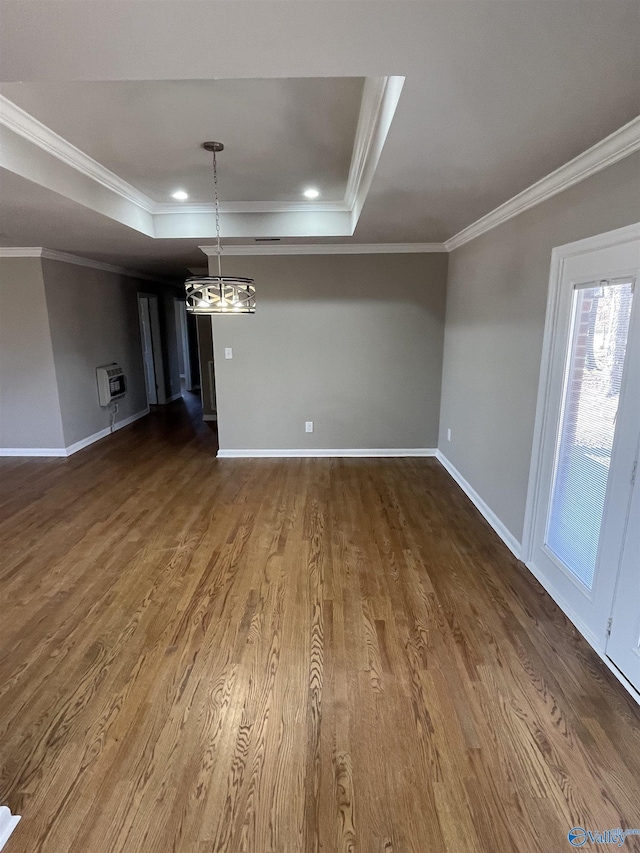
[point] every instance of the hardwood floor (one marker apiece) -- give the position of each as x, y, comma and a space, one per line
286, 656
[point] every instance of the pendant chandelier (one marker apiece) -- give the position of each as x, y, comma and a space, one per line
219, 294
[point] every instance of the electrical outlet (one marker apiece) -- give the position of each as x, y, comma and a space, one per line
228, 352
448, 435
308, 426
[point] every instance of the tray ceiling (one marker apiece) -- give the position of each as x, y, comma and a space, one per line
280, 135
496, 96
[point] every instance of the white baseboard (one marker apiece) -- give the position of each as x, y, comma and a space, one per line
507, 537
174, 397
516, 549
210, 418
72, 448
85, 442
8, 823
33, 451
324, 452
103, 433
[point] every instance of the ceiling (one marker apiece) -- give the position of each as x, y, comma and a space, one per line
280, 135
495, 96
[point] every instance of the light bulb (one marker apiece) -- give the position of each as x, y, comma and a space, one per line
311, 193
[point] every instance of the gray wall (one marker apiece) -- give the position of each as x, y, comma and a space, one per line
496, 302
58, 322
93, 316
29, 407
351, 342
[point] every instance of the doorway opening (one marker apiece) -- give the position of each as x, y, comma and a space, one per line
207, 369
182, 337
149, 314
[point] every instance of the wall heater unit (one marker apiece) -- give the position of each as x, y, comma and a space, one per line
112, 383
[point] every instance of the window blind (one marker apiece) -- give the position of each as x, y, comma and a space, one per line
584, 441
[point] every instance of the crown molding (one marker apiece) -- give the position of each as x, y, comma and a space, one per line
77, 260
618, 145
20, 252
379, 101
372, 98
16, 119
378, 94
379, 98
328, 249
251, 207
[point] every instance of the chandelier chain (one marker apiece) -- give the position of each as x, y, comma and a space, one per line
217, 205
218, 294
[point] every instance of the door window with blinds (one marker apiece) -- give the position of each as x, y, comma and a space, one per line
597, 345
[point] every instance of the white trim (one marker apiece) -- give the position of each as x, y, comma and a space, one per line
379, 100
103, 433
16, 119
20, 252
165, 208
514, 546
8, 823
66, 258
72, 448
621, 143
588, 635
327, 249
33, 451
598, 241
507, 537
373, 94
174, 397
85, 442
558, 255
324, 453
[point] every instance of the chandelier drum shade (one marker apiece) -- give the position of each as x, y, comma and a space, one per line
219, 294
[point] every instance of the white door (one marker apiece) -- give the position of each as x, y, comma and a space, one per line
623, 647
183, 343
588, 431
156, 343
152, 348
147, 350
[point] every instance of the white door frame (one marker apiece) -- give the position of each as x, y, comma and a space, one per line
156, 343
622, 646
545, 410
183, 340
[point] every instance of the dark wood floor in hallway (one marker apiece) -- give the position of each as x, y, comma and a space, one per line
286, 656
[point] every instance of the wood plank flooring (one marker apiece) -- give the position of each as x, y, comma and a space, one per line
287, 656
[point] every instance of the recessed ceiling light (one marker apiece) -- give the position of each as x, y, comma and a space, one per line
311, 193
180, 195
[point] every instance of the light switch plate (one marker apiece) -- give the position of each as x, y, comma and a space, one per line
228, 352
